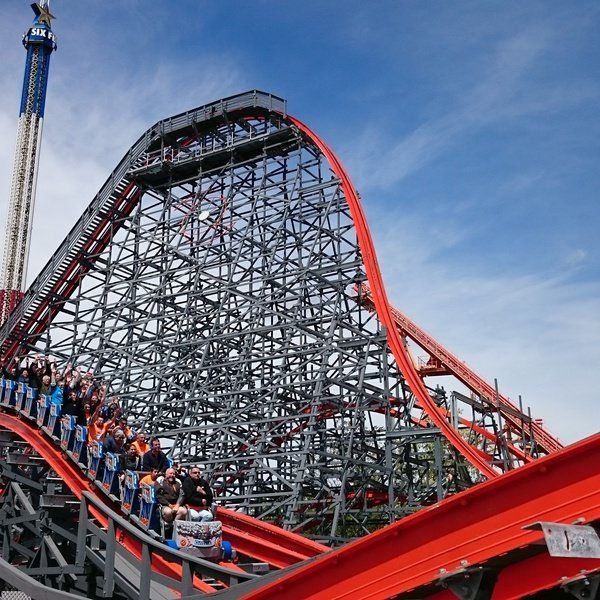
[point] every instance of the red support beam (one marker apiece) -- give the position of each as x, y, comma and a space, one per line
468, 529
460, 370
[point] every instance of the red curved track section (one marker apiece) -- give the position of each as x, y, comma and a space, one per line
384, 310
466, 375
128, 198
251, 537
77, 482
471, 528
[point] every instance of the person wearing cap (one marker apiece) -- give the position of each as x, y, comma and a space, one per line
115, 443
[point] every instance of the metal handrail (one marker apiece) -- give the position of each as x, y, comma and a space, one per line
189, 564
26, 584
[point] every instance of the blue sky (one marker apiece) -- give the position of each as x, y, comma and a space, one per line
471, 130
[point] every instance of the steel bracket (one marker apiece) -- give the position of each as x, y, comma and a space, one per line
475, 583
569, 541
584, 587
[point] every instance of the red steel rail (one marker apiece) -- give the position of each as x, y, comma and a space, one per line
384, 310
472, 526
468, 529
462, 372
77, 482
105, 229
534, 575
251, 537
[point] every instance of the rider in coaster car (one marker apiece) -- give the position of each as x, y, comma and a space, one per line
197, 496
155, 458
170, 495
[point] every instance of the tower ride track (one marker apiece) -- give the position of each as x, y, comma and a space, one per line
212, 282
40, 42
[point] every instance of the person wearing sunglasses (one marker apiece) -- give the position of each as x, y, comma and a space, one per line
197, 496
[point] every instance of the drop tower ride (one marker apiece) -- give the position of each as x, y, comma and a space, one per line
40, 42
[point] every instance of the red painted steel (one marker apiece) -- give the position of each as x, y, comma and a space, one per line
462, 372
78, 483
468, 529
292, 542
539, 574
383, 309
534, 575
251, 537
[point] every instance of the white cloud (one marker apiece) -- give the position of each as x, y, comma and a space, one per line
538, 334
575, 258
504, 92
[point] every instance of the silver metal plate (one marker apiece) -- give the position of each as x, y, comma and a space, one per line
571, 541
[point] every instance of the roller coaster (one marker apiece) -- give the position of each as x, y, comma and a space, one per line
223, 281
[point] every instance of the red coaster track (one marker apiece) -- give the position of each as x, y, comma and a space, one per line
484, 525
448, 364
470, 529
256, 539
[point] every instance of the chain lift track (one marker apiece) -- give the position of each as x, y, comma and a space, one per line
212, 282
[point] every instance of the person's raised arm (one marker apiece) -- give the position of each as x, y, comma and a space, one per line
95, 414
